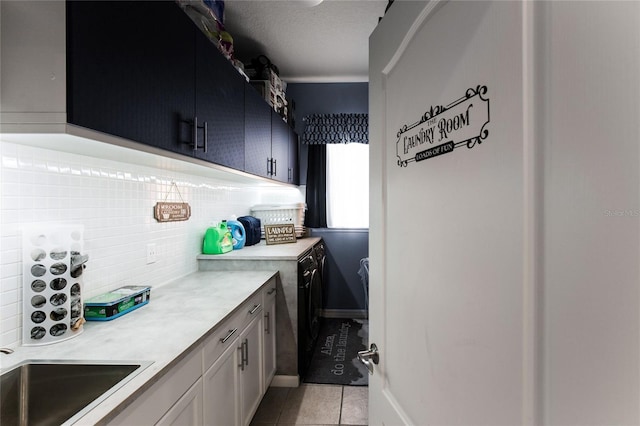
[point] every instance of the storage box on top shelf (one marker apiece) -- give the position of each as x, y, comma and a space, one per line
276, 99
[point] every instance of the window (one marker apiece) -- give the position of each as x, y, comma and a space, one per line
347, 185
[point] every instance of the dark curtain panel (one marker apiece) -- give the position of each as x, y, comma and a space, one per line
316, 215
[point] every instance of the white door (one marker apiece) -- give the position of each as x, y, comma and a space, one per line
492, 298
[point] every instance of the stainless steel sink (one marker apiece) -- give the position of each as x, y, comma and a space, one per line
59, 392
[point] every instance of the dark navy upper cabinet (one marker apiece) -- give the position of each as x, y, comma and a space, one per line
293, 171
143, 71
284, 151
279, 147
130, 70
257, 133
220, 106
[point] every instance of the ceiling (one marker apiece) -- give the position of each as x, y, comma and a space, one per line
307, 42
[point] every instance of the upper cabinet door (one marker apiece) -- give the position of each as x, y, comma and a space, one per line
257, 133
279, 147
220, 104
131, 70
294, 170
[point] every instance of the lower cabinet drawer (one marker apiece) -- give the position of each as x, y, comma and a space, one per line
225, 334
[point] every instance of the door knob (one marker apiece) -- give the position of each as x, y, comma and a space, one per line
369, 356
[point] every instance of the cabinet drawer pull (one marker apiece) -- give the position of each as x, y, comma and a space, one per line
271, 291
255, 308
228, 336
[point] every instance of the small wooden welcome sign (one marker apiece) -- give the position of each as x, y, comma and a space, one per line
167, 211
171, 212
280, 234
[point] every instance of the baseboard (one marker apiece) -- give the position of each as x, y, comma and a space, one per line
345, 313
280, 381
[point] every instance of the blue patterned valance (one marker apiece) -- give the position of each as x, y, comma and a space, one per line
336, 128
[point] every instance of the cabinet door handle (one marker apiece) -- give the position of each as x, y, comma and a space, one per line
228, 336
269, 171
246, 348
241, 349
206, 139
271, 291
195, 133
267, 328
275, 166
255, 308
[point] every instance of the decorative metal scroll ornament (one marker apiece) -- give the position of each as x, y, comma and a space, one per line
440, 130
172, 212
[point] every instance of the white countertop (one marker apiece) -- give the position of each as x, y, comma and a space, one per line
179, 316
262, 251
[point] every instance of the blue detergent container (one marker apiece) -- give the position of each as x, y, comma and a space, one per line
238, 235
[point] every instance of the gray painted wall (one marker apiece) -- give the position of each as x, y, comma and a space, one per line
345, 247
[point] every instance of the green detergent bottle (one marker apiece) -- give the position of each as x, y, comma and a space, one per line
217, 239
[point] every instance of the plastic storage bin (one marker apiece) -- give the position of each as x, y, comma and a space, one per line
276, 214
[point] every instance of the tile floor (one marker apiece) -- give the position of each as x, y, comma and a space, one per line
316, 405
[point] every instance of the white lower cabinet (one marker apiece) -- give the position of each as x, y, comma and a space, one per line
222, 390
188, 410
156, 403
251, 388
222, 381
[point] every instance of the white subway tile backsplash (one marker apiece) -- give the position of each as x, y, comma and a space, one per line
114, 201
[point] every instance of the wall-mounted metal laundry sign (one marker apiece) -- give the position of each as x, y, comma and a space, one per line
442, 129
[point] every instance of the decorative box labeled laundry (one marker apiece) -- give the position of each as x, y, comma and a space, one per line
116, 303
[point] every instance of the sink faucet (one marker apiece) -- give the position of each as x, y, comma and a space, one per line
6, 350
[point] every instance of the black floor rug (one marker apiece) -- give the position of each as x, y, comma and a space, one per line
335, 357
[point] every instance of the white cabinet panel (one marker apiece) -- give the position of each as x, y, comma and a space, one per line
154, 403
187, 411
251, 387
222, 390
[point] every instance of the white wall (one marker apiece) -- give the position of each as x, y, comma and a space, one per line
114, 201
